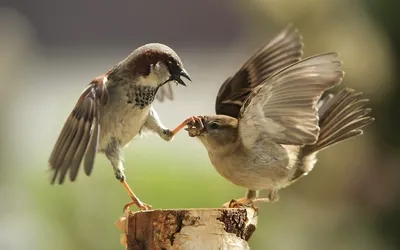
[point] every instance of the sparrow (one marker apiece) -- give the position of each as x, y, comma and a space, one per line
113, 109
271, 121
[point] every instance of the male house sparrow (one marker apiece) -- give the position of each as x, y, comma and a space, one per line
113, 109
270, 126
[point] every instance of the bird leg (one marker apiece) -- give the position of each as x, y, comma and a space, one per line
153, 123
191, 121
135, 200
114, 154
243, 202
250, 199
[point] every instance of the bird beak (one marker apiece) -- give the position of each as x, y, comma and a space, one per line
193, 132
185, 74
177, 77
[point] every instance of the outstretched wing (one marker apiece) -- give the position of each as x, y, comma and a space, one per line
80, 134
283, 50
284, 107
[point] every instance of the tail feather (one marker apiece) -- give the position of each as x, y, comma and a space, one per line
341, 117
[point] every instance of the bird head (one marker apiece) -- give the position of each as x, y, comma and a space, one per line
156, 64
215, 132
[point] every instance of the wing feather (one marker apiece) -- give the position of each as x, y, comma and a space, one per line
284, 107
93, 144
79, 134
284, 49
82, 145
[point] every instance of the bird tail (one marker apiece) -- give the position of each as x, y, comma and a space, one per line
341, 117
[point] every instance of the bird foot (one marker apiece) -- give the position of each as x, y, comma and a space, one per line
135, 200
142, 206
246, 202
195, 127
191, 121
122, 222
241, 203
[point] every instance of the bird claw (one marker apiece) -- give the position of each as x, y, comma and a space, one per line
145, 207
195, 125
241, 203
122, 222
246, 202
142, 206
135, 200
195, 121
190, 122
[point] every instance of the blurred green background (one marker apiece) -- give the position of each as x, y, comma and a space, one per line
50, 50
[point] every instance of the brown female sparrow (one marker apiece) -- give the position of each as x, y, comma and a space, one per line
271, 121
113, 109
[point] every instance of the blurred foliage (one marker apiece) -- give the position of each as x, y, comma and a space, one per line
385, 13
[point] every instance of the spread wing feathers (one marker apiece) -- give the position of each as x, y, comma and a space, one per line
283, 50
165, 91
80, 134
284, 107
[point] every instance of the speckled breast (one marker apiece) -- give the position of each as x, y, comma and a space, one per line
125, 113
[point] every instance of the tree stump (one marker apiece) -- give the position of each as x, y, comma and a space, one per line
184, 229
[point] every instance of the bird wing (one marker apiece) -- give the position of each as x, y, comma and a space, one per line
284, 107
80, 135
283, 50
165, 92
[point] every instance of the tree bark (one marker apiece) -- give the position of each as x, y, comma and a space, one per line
219, 228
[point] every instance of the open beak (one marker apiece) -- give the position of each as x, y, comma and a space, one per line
193, 132
185, 74
177, 77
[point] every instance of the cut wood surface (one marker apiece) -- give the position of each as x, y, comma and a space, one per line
219, 228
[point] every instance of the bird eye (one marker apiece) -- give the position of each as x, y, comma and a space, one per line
171, 63
214, 125
171, 66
